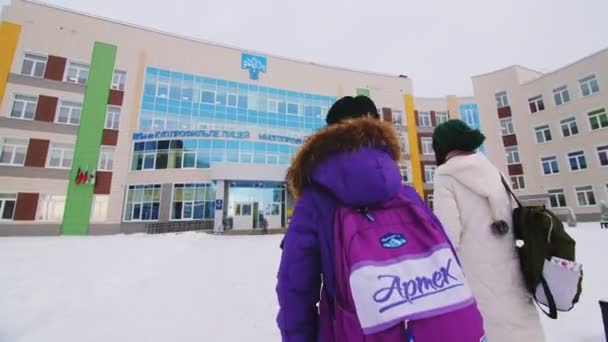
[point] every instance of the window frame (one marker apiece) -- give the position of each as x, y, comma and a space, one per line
542, 165
28, 56
79, 69
126, 202
115, 118
536, 104
509, 155
508, 123
444, 115
587, 80
71, 105
432, 169
106, 164
427, 116
427, 141
557, 192
63, 151
603, 151
161, 84
4, 198
518, 182
543, 129
24, 102
122, 80
3, 142
504, 99
208, 186
559, 93
586, 190
597, 113
569, 120
576, 155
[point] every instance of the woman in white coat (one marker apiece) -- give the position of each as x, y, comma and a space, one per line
475, 209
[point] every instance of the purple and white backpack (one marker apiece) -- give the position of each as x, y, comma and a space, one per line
395, 265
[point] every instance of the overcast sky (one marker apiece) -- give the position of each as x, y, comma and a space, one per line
438, 43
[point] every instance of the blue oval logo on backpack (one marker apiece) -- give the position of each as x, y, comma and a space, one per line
393, 240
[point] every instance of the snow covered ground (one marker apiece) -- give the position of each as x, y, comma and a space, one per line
189, 287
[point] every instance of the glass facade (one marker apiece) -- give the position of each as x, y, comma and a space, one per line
174, 101
193, 201
201, 153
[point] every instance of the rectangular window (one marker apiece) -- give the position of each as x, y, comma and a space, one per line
557, 198
518, 182
162, 89
51, 208
405, 177
112, 118
143, 202
33, 65
8, 202
69, 113
193, 202
232, 100
12, 151
561, 95
577, 161
208, 97
569, 127
430, 200
543, 134
589, 85
99, 209
429, 173
273, 106
118, 80
598, 119
469, 117
602, 155
501, 99
506, 126
513, 155
441, 117
585, 196
77, 73
397, 117
536, 104
24, 107
424, 119
427, 145
106, 158
60, 156
550, 165
292, 108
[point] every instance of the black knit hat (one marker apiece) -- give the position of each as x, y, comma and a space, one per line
455, 135
350, 107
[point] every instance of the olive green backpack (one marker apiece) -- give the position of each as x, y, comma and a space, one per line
539, 236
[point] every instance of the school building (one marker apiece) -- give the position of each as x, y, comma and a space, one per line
107, 127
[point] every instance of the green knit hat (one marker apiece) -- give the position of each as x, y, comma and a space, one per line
455, 135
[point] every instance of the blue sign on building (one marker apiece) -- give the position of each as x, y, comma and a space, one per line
255, 64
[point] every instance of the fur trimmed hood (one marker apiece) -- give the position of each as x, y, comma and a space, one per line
344, 156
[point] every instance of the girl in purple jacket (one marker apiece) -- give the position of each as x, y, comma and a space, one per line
351, 162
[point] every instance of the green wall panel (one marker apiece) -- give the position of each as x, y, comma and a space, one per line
88, 142
363, 91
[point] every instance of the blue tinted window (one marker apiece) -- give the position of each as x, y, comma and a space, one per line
218, 144
208, 97
259, 147
246, 146
150, 145
292, 108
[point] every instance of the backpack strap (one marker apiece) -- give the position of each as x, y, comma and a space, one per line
552, 307
508, 188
